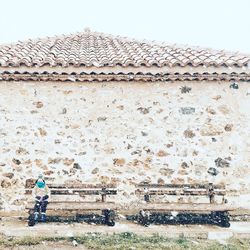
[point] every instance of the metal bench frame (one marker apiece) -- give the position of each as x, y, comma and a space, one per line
217, 213
107, 208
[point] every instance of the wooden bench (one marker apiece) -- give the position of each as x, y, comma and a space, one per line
80, 198
217, 210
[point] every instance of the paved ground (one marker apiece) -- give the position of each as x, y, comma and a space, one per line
48, 246
17, 228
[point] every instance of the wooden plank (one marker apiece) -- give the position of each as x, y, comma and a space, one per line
31, 182
78, 191
189, 207
179, 192
68, 206
81, 189
204, 186
180, 189
83, 186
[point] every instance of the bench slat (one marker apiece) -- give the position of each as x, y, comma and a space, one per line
69, 206
184, 189
179, 192
195, 186
78, 191
92, 186
31, 182
185, 207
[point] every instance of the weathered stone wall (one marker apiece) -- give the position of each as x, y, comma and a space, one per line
124, 133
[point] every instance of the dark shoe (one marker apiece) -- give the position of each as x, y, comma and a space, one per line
31, 221
111, 223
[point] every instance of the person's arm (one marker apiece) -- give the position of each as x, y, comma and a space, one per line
34, 194
47, 191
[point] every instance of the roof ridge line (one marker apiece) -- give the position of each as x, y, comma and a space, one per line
127, 39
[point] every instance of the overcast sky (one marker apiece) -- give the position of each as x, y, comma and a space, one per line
221, 24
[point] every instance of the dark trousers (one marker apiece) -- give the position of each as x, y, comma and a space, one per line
41, 206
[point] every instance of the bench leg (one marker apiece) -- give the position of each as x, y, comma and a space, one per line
221, 219
144, 218
109, 217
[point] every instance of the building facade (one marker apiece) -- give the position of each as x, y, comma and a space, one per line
95, 108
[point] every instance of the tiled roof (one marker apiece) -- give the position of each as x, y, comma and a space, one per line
96, 49
85, 50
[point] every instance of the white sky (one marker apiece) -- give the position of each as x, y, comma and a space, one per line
221, 24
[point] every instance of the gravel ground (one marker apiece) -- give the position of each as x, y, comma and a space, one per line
15, 228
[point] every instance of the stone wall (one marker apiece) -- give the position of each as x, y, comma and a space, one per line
124, 133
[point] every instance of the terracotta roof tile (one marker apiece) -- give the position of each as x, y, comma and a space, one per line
99, 50
91, 56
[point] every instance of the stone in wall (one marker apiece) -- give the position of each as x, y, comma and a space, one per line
221, 163
188, 133
121, 107
8, 175
210, 111
162, 153
102, 118
183, 172
210, 130
178, 180
38, 104
76, 166
67, 92
195, 153
42, 132
187, 110
68, 161
95, 171
64, 111
213, 171
228, 127
224, 109
144, 133
5, 183
166, 171
54, 160
16, 161
119, 161
217, 97
160, 181
185, 89
38, 162
104, 179
144, 110
160, 110
136, 152
184, 165
49, 172
184, 169
22, 151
